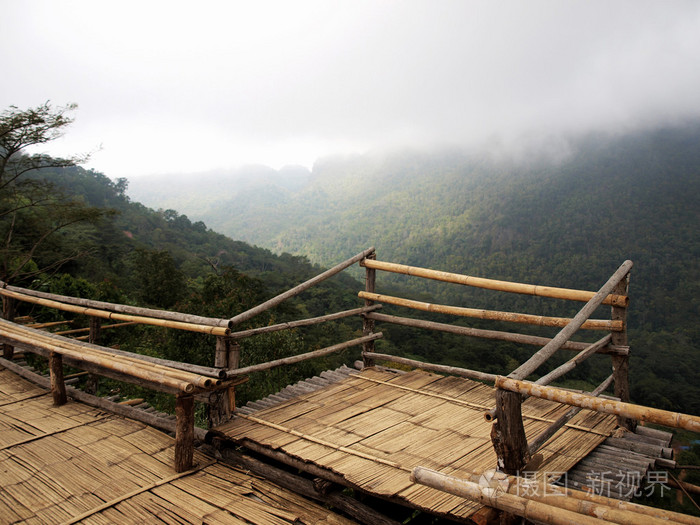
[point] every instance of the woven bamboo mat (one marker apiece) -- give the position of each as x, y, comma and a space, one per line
375, 427
75, 464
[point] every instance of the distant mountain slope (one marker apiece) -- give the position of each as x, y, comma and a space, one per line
568, 222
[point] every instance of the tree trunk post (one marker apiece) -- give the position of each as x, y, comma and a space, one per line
8, 312
184, 432
93, 338
620, 364
508, 433
222, 403
368, 324
58, 386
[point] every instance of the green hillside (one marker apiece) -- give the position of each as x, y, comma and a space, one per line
568, 222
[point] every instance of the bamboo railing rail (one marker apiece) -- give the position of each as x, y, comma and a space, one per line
304, 322
579, 321
120, 308
104, 314
492, 284
476, 313
302, 357
492, 334
574, 361
608, 406
248, 314
444, 369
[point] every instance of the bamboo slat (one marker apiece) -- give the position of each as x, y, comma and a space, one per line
493, 315
492, 284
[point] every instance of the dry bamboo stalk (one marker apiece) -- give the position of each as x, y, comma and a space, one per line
102, 327
492, 334
492, 284
248, 314
608, 406
574, 362
579, 321
171, 366
111, 362
302, 357
39, 326
477, 313
304, 322
498, 498
202, 329
121, 308
464, 372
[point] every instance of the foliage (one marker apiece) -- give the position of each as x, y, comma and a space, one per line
42, 228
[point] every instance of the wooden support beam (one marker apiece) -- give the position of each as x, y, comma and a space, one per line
508, 433
620, 364
249, 314
184, 432
367, 322
8, 313
58, 385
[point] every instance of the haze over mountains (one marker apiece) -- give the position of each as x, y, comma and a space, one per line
563, 221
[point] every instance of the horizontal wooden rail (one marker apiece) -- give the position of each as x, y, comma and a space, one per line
150, 372
492, 284
574, 361
248, 314
607, 406
302, 357
87, 329
454, 370
492, 334
537, 320
120, 308
303, 322
103, 314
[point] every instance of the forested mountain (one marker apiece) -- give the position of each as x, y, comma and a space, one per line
563, 220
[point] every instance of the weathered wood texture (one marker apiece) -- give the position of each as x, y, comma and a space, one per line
302, 357
608, 406
492, 334
249, 314
508, 433
492, 315
620, 364
492, 284
184, 432
58, 386
105, 314
368, 322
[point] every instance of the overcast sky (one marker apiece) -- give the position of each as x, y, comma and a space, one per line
171, 86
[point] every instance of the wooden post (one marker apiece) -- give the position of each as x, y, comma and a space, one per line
620, 364
222, 403
58, 386
184, 432
368, 324
508, 433
93, 338
8, 312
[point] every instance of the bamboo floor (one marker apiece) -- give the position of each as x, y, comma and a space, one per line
77, 464
375, 427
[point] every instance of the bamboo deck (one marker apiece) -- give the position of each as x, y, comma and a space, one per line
375, 427
76, 464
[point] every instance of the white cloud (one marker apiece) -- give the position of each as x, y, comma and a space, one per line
180, 86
